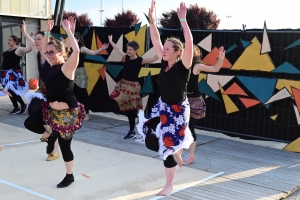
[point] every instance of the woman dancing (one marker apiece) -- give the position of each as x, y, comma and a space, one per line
61, 112
127, 90
172, 134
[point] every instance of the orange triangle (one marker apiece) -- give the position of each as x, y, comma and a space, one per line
249, 102
102, 72
99, 45
296, 94
235, 90
212, 59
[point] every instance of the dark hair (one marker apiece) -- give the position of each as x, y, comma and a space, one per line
80, 38
197, 54
41, 33
16, 39
133, 44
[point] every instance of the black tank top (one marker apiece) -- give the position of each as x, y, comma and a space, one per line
59, 87
192, 87
173, 83
43, 68
132, 68
11, 60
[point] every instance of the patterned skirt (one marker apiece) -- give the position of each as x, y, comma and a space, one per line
81, 78
172, 132
198, 107
127, 95
66, 121
13, 79
40, 93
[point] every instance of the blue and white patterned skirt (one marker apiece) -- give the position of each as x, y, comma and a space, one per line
13, 79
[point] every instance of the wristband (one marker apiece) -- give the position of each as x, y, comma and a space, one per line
151, 21
182, 19
220, 60
48, 34
101, 49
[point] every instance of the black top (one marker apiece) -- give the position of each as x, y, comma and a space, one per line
81, 57
192, 87
59, 87
11, 60
173, 83
132, 68
43, 67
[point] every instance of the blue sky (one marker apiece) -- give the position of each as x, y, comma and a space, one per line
277, 14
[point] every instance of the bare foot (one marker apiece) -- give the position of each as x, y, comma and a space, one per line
178, 157
87, 117
166, 190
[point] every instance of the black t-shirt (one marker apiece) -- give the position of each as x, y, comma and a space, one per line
192, 87
173, 83
11, 60
43, 67
132, 68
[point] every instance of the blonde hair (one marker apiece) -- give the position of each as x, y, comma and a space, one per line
177, 45
59, 46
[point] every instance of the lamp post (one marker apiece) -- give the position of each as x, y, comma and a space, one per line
101, 10
228, 20
122, 6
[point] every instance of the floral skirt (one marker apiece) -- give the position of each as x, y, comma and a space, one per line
127, 95
40, 93
198, 107
13, 79
172, 132
66, 121
81, 78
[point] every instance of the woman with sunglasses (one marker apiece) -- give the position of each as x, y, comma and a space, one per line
61, 112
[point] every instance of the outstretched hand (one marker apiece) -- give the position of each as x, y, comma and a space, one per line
49, 26
72, 21
151, 11
221, 53
66, 24
110, 38
181, 11
105, 46
23, 27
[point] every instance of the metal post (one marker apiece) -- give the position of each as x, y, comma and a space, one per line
228, 20
61, 12
56, 11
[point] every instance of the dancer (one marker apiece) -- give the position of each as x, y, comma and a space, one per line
197, 104
127, 90
61, 112
11, 75
172, 134
35, 99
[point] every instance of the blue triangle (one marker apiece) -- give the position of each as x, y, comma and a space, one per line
85, 32
147, 18
245, 43
57, 36
296, 43
231, 48
137, 28
148, 86
95, 58
286, 67
114, 70
206, 89
261, 88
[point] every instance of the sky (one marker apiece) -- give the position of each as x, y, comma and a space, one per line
278, 14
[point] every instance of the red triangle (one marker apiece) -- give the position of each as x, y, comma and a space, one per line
296, 94
102, 72
249, 102
235, 90
212, 59
99, 45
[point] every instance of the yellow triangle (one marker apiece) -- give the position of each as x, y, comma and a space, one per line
62, 31
229, 105
145, 71
94, 43
93, 74
251, 59
293, 146
202, 76
281, 83
139, 38
274, 117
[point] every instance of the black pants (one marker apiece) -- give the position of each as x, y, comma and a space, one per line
35, 123
15, 99
152, 143
82, 96
131, 114
192, 125
34, 105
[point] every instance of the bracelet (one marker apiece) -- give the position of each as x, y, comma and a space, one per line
182, 19
220, 60
101, 49
151, 21
48, 34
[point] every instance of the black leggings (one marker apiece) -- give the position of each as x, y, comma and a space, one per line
36, 124
131, 114
15, 99
35, 104
152, 143
82, 96
192, 125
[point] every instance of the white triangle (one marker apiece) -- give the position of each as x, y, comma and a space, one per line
145, 101
284, 93
114, 56
111, 84
206, 43
214, 80
297, 114
151, 53
265, 48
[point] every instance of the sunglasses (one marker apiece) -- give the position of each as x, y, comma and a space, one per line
49, 53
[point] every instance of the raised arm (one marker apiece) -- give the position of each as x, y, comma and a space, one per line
91, 52
149, 60
200, 67
155, 37
28, 38
118, 50
48, 28
187, 57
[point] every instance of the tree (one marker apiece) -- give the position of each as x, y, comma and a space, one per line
82, 20
123, 19
197, 17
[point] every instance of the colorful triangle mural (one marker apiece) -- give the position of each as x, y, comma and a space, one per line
148, 86
114, 56
294, 44
214, 80
265, 47
202, 76
85, 32
274, 117
99, 45
140, 38
206, 43
229, 105
212, 59
137, 28
282, 94
114, 70
294, 146
95, 58
146, 70
249, 102
102, 72
286, 67
231, 48
281, 83
245, 43
235, 89
145, 101
206, 89
91, 70
111, 84
296, 93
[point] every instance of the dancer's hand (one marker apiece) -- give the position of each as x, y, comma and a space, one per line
72, 21
221, 53
151, 11
23, 29
181, 11
31, 34
105, 46
110, 38
49, 26
66, 25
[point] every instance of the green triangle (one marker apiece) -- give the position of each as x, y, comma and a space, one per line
206, 89
85, 32
137, 28
147, 87
114, 70
57, 36
147, 18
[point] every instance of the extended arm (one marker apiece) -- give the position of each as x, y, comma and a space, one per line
149, 60
28, 38
118, 50
91, 52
